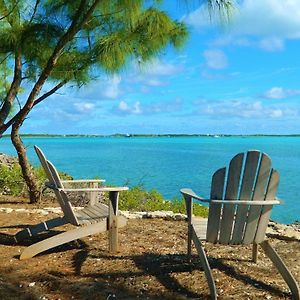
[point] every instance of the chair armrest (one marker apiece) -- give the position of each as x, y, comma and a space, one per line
280, 200
103, 189
192, 194
83, 180
244, 202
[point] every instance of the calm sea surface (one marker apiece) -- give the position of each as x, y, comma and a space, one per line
168, 164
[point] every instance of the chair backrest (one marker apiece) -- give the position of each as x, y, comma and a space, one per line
249, 177
56, 184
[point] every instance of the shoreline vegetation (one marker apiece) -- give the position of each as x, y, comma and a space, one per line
136, 199
135, 135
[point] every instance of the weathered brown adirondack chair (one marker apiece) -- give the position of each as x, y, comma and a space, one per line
240, 204
96, 217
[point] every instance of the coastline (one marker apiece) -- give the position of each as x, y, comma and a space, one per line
274, 230
154, 135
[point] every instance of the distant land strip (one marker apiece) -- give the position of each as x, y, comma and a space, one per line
121, 135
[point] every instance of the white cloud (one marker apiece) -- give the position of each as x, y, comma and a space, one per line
164, 106
271, 22
276, 113
269, 18
215, 59
154, 82
111, 89
244, 109
280, 93
271, 44
104, 88
159, 68
124, 108
84, 107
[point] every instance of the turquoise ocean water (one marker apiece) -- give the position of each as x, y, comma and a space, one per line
168, 164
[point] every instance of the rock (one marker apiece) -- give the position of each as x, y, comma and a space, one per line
7, 160
133, 215
284, 231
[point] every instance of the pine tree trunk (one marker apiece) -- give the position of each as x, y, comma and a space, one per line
27, 170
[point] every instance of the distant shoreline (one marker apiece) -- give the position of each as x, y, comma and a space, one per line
119, 135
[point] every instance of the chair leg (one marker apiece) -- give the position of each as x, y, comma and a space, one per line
206, 267
255, 252
282, 268
63, 238
38, 228
189, 242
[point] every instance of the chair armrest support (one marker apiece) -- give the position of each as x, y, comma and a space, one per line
190, 193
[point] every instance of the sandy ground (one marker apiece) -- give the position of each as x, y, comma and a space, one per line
151, 265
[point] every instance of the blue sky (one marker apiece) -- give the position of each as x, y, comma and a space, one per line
237, 78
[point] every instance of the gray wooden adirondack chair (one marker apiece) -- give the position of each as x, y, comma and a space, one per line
240, 204
96, 217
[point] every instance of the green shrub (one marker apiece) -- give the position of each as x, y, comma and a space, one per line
11, 180
138, 199
135, 199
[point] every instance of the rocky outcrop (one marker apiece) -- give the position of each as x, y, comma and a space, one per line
283, 231
166, 215
7, 160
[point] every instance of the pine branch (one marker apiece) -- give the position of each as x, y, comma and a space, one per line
37, 2
5, 58
76, 25
49, 93
4, 127
10, 12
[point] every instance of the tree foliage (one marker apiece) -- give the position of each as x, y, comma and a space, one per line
73, 41
116, 32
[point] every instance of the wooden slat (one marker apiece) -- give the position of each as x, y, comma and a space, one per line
103, 208
38, 228
247, 186
68, 209
44, 164
62, 197
91, 213
232, 189
200, 228
82, 216
266, 210
258, 194
98, 210
217, 188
